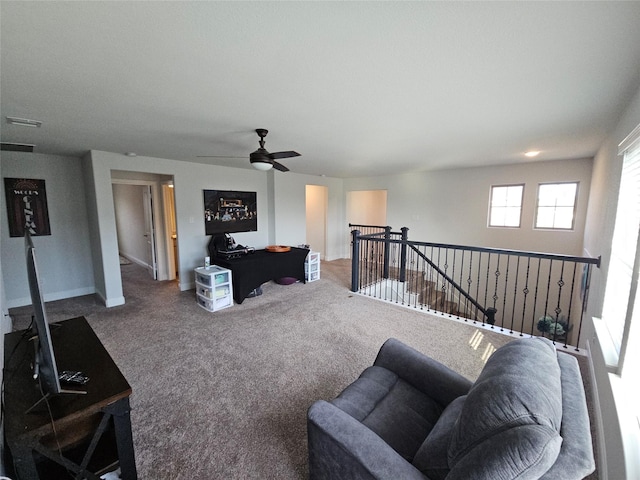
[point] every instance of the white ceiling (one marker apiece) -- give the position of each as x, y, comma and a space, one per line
358, 88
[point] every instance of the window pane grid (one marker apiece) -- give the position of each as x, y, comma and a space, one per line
556, 205
505, 206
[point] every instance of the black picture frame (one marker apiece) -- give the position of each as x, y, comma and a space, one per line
27, 207
229, 211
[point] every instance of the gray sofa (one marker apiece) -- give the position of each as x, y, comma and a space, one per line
410, 417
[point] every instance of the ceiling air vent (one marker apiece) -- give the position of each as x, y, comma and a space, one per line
17, 147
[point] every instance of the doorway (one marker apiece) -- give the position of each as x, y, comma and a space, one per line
145, 234
316, 201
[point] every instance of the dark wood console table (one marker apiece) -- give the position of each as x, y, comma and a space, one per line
92, 431
253, 269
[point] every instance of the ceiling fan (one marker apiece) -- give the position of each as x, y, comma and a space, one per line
261, 159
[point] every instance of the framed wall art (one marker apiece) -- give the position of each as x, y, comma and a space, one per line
228, 211
27, 207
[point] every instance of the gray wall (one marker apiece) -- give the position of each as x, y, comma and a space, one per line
622, 462
62, 275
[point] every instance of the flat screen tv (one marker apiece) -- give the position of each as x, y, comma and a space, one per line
228, 211
45, 369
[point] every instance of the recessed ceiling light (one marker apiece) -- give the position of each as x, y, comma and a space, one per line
532, 153
24, 122
131, 154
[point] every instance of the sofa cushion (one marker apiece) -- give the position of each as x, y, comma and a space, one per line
431, 458
397, 412
522, 453
517, 395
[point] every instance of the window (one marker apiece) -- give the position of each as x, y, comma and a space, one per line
505, 206
625, 257
556, 205
621, 309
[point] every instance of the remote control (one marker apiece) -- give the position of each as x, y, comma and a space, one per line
73, 378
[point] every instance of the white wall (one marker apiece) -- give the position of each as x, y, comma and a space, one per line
367, 207
620, 462
62, 275
316, 199
130, 222
290, 219
451, 206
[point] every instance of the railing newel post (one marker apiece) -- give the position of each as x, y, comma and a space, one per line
403, 254
387, 251
491, 315
355, 260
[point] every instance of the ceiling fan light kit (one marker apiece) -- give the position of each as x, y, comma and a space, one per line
263, 166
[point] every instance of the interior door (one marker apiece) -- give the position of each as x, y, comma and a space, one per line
149, 232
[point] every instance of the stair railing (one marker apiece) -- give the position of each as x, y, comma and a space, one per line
527, 292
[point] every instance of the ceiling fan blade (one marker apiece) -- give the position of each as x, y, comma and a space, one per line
277, 155
218, 156
280, 167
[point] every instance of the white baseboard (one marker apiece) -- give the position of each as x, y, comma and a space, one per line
184, 286
135, 260
51, 297
110, 302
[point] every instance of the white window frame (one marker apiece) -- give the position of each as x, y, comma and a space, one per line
573, 214
490, 218
624, 263
623, 324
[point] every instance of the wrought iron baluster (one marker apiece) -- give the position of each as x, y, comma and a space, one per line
469, 283
459, 302
478, 286
546, 298
526, 293
443, 288
535, 298
573, 284
515, 295
504, 299
558, 310
486, 291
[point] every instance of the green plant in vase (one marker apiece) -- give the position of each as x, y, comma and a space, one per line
553, 328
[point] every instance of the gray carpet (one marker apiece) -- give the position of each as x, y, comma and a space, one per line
224, 395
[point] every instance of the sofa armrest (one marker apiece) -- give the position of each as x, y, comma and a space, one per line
576, 453
341, 447
426, 374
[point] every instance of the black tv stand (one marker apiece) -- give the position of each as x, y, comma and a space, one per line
93, 430
47, 398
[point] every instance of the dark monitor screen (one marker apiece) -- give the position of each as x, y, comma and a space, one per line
45, 363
